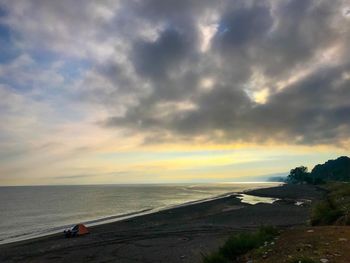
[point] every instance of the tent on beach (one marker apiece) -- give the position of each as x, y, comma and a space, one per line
82, 230
77, 230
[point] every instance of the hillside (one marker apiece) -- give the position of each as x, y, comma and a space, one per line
332, 170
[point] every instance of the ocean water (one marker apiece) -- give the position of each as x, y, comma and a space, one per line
32, 211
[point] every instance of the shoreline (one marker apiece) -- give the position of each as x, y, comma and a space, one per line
117, 218
165, 235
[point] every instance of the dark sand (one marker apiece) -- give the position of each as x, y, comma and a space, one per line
176, 235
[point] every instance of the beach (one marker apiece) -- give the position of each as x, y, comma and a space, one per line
181, 234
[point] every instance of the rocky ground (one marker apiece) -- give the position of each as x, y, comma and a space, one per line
325, 244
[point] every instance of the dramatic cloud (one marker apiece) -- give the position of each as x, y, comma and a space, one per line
292, 52
164, 71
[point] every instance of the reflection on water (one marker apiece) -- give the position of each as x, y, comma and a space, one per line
252, 200
31, 211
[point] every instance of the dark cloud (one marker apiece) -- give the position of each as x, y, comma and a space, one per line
301, 29
158, 58
243, 27
314, 110
181, 69
277, 38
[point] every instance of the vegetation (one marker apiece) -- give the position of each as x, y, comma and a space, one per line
299, 175
305, 245
332, 170
335, 208
240, 244
325, 213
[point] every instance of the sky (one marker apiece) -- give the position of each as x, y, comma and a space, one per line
163, 91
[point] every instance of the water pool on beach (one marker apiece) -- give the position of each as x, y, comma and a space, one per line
31, 211
253, 200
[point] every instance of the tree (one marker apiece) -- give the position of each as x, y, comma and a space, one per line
299, 175
333, 170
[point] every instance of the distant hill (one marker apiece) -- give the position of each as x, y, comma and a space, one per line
277, 179
332, 170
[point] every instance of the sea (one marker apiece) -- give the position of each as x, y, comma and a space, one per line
32, 211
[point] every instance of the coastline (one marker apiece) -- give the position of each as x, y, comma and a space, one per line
128, 215
113, 219
187, 231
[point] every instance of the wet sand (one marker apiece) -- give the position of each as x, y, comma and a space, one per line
180, 234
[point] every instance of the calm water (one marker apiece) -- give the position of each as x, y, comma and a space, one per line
32, 211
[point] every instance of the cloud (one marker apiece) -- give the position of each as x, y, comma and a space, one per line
78, 176
228, 71
242, 26
165, 54
285, 43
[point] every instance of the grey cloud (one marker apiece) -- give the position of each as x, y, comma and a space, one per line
78, 176
147, 65
156, 59
243, 26
307, 112
275, 38
314, 110
219, 109
302, 28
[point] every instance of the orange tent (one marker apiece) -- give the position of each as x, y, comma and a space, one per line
82, 230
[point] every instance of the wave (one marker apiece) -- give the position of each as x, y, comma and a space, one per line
109, 219
46, 231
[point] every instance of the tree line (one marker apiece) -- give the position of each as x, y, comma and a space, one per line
332, 170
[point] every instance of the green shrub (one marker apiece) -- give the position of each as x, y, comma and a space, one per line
339, 190
325, 213
215, 258
267, 232
240, 244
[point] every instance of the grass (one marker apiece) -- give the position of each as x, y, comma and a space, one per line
335, 208
325, 213
215, 257
240, 244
